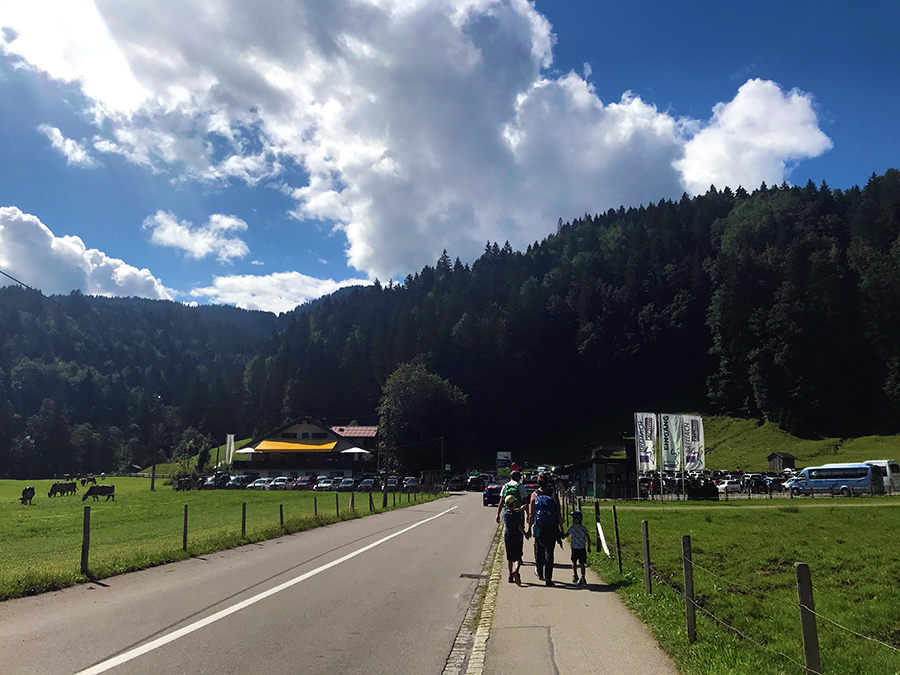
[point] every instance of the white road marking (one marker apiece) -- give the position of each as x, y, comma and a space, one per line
197, 625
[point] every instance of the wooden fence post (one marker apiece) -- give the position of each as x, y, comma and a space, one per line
690, 610
153, 479
618, 543
85, 540
371, 503
353, 501
808, 619
645, 536
597, 514
281, 514
184, 533
244, 520
337, 504
315, 505
394, 494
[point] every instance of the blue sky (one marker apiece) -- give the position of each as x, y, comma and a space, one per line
214, 152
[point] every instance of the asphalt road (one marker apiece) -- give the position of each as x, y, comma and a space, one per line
363, 596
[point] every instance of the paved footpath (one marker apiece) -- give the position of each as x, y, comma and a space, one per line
567, 629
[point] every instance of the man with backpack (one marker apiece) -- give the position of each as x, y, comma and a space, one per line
515, 489
544, 524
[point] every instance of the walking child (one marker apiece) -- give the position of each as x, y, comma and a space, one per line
514, 536
580, 538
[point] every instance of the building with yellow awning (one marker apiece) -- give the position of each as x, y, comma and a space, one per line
306, 447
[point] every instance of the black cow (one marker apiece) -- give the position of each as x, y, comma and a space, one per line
27, 495
97, 491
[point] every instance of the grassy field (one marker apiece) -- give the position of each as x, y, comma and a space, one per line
40, 545
744, 576
742, 444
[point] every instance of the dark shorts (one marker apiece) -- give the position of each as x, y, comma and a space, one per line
514, 546
579, 555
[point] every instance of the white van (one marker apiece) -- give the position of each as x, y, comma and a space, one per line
891, 471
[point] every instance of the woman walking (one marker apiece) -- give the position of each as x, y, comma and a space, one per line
544, 525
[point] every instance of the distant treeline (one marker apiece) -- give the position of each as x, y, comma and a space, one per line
783, 304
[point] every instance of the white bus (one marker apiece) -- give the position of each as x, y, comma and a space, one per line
843, 479
891, 471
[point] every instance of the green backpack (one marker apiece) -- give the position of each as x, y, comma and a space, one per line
513, 490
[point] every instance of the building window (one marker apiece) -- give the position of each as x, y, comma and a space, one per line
288, 435
320, 434
305, 434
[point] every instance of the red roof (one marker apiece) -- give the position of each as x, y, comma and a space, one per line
356, 432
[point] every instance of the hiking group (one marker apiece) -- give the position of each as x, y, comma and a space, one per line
539, 517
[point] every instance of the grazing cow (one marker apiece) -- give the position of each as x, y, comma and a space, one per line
97, 491
63, 489
27, 495
89, 479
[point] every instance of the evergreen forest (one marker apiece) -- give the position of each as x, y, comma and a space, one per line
782, 305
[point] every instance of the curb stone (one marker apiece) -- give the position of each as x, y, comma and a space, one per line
468, 651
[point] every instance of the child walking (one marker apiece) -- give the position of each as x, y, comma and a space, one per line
514, 537
580, 538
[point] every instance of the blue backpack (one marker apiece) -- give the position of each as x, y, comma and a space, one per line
546, 512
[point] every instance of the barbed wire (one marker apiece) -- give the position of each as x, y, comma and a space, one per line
849, 630
657, 574
737, 631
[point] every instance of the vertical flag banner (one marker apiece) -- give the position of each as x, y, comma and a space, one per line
694, 443
671, 441
645, 440
229, 448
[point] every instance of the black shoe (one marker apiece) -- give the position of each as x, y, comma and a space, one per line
541, 577
549, 582
511, 580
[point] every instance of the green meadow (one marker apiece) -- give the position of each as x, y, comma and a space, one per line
40, 544
748, 620
733, 443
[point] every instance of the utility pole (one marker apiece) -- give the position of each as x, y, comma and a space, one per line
442, 459
387, 413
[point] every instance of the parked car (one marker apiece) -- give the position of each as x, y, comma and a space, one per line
259, 484
347, 485
369, 485
393, 483
475, 483
304, 483
323, 485
729, 485
279, 483
240, 482
217, 481
410, 484
492, 494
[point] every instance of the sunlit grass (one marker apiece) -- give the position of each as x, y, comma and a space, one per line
40, 545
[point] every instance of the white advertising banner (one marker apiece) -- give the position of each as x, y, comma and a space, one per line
645, 440
229, 448
670, 441
694, 444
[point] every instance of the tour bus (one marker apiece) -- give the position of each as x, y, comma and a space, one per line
891, 471
843, 479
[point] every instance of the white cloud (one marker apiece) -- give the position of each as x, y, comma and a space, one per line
278, 292
257, 262
74, 152
30, 252
421, 124
753, 138
211, 238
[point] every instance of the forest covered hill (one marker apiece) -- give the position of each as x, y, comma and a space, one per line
781, 305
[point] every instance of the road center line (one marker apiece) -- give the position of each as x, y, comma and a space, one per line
212, 618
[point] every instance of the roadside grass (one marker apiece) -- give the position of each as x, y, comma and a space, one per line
744, 576
40, 545
733, 443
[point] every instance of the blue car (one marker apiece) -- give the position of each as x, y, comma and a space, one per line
492, 494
